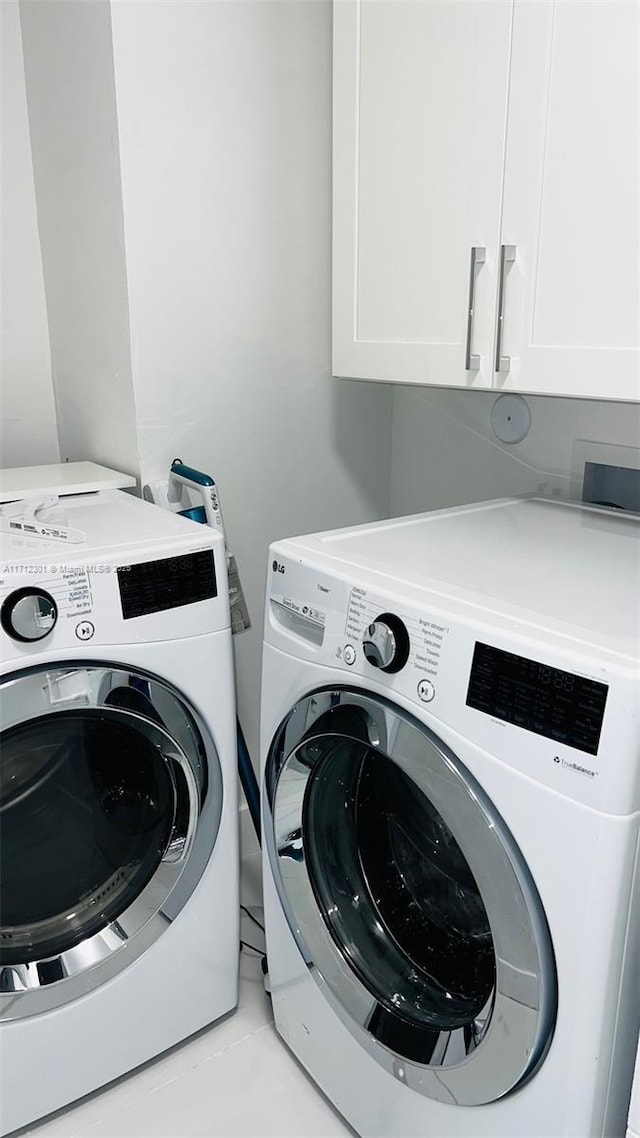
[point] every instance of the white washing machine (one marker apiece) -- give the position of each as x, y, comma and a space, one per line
451, 797
118, 816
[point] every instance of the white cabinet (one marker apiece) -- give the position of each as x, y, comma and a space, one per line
510, 126
420, 95
571, 202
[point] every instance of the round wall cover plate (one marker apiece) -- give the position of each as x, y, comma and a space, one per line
510, 418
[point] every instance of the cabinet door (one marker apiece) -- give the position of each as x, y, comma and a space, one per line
571, 200
420, 90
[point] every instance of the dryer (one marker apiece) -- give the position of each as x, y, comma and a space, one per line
118, 815
451, 811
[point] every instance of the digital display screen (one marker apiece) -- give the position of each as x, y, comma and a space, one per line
564, 707
155, 586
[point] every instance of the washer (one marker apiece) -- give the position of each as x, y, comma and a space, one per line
451, 794
119, 894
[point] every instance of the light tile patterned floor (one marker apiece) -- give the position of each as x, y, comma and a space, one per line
234, 1080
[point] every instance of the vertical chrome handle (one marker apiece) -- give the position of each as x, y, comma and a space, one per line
507, 255
478, 256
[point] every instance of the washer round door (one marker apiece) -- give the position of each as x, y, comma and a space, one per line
110, 795
409, 898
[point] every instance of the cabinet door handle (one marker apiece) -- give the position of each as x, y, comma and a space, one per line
478, 256
507, 255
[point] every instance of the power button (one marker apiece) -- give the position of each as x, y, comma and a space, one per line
349, 654
426, 691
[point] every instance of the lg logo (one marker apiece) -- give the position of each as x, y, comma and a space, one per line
277, 567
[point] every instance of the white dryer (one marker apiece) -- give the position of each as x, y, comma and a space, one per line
118, 816
451, 811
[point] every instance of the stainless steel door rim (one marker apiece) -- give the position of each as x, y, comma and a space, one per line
326, 736
109, 701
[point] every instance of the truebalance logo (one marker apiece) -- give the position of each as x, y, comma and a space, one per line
576, 767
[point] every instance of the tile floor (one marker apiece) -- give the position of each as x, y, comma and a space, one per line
235, 1079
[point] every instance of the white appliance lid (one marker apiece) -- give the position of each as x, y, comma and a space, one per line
111, 521
59, 478
569, 563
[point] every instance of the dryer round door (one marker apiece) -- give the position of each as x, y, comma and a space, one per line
409, 898
110, 803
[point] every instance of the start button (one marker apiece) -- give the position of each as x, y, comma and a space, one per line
426, 691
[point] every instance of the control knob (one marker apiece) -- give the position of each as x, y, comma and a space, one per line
386, 643
28, 615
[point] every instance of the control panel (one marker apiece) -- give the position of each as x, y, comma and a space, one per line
166, 583
49, 606
535, 699
357, 629
37, 600
549, 701
393, 642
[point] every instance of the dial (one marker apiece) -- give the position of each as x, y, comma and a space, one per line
28, 615
386, 643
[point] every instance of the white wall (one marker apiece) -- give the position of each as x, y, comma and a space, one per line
28, 433
445, 453
70, 91
225, 147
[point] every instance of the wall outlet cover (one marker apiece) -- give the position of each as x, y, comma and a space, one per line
510, 418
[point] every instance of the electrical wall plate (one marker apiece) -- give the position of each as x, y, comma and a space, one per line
510, 418
605, 474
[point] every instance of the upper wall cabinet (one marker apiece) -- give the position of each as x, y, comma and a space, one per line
486, 197
571, 201
420, 96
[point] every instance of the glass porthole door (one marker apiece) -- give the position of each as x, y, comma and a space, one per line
104, 778
409, 898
